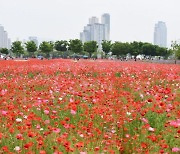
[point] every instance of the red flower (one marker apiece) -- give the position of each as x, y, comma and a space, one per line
144, 145
28, 145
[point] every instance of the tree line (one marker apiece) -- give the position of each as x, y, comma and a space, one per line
75, 46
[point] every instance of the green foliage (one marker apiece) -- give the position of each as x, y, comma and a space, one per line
160, 51
176, 49
46, 47
17, 48
136, 48
61, 45
106, 46
120, 49
148, 49
90, 47
177, 54
139, 48
4, 51
31, 46
76, 46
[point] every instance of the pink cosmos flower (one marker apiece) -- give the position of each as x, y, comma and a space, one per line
83, 152
3, 92
56, 130
47, 121
175, 149
38, 126
175, 123
73, 112
127, 135
4, 112
46, 111
144, 120
66, 126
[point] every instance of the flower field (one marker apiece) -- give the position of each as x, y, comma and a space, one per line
64, 106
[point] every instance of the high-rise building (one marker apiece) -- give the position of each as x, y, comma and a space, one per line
4, 38
160, 34
93, 20
9, 43
105, 19
95, 31
1, 36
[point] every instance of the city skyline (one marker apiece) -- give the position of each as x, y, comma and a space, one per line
59, 19
96, 30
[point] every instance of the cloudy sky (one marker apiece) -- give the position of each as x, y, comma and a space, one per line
64, 19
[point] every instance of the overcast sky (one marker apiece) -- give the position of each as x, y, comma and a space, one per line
64, 19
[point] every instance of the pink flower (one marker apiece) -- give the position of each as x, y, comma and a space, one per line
175, 123
3, 92
144, 120
56, 130
66, 126
175, 149
54, 111
46, 111
73, 112
4, 112
47, 121
127, 135
38, 126
83, 152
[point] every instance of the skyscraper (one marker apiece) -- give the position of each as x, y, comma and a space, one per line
1, 36
105, 19
160, 34
95, 31
93, 20
4, 43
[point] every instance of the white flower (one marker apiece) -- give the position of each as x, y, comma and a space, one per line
141, 95
17, 148
25, 116
166, 96
113, 131
60, 99
151, 129
18, 120
128, 113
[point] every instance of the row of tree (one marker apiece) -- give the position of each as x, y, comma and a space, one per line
119, 49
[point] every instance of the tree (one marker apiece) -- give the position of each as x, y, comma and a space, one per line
17, 48
177, 54
46, 47
136, 48
76, 45
176, 49
61, 45
90, 47
120, 49
149, 49
106, 46
31, 46
160, 51
4, 51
